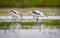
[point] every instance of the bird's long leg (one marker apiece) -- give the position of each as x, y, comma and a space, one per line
46, 16
15, 20
21, 18
37, 19
33, 18
14, 26
12, 21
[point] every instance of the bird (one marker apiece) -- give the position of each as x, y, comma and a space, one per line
15, 14
37, 14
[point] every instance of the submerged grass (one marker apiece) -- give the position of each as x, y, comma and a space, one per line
52, 22
4, 25
46, 22
27, 23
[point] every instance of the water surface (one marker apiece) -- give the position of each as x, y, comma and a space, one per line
35, 31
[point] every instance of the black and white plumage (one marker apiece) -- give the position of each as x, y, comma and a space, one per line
14, 14
37, 14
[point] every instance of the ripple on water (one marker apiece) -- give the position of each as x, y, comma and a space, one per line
36, 31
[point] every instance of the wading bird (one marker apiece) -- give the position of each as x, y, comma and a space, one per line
37, 14
14, 15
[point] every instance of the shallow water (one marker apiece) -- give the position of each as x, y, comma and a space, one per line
35, 31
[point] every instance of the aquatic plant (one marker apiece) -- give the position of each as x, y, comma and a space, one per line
6, 25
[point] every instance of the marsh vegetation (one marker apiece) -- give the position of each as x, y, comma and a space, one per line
46, 22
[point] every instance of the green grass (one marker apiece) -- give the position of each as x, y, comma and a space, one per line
4, 24
29, 3
51, 22
46, 22
27, 23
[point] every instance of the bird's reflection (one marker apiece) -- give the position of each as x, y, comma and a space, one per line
13, 27
39, 26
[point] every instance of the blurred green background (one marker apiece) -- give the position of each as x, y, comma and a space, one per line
29, 3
